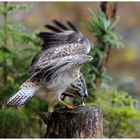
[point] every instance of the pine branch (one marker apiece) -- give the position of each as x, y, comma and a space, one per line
109, 9
5, 43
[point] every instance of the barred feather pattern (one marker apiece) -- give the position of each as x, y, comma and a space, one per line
56, 65
46, 56
53, 68
28, 89
78, 87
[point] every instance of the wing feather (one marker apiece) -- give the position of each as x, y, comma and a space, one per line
63, 35
53, 28
58, 66
60, 25
59, 44
72, 26
42, 58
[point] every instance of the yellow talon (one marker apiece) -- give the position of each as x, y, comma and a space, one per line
67, 105
71, 107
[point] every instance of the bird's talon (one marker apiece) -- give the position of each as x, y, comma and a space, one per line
83, 104
71, 107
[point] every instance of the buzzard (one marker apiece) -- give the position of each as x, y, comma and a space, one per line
56, 68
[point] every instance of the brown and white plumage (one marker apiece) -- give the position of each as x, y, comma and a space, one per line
57, 65
27, 90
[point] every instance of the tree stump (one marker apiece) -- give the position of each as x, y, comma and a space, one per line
82, 122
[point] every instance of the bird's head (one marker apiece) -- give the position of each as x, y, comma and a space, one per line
78, 88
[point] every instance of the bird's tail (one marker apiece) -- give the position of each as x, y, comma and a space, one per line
27, 90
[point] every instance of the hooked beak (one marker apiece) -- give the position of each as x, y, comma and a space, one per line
84, 99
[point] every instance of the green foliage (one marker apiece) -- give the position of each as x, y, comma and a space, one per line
12, 8
121, 116
17, 123
101, 29
17, 47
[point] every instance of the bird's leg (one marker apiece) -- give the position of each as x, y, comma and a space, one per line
67, 93
67, 105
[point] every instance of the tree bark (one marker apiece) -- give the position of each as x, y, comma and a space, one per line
82, 122
110, 10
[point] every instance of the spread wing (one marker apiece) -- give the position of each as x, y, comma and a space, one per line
47, 72
63, 41
62, 35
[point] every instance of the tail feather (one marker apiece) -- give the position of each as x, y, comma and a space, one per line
28, 89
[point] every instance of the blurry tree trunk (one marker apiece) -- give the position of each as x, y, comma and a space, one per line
110, 9
82, 122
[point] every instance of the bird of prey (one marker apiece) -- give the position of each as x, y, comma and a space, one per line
56, 68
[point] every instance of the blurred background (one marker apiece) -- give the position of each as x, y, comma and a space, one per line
123, 65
